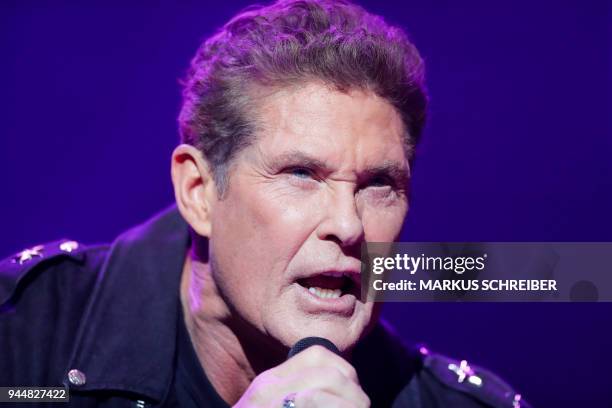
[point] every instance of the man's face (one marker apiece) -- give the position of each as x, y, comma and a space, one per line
327, 171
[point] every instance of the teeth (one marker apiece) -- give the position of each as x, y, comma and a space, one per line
333, 274
325, 293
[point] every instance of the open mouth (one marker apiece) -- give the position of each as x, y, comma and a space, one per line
329, 285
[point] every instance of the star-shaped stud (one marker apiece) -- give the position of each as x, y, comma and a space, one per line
464, 371
28, 254
516, 402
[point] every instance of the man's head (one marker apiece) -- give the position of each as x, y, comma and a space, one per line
299, 121
289, 44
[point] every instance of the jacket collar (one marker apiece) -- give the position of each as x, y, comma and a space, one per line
126, 341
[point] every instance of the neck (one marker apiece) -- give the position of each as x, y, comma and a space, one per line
220, 340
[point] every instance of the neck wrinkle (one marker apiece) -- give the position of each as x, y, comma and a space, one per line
219, 350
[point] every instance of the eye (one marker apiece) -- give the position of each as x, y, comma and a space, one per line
300, 172
380, 181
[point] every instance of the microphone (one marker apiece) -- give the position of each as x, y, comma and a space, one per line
306, 342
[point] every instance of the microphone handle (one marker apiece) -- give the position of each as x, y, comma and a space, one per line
306, 342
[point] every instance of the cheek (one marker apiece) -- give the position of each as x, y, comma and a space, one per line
258, 231
287, 216
258, 211
383, 224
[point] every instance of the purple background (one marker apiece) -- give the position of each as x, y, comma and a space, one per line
518, 148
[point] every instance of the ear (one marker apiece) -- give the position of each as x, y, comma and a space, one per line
194, 188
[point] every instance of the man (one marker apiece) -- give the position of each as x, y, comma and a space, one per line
298, 125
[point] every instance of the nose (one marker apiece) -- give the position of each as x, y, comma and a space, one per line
342, 223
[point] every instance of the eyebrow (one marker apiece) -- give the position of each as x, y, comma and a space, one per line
298, 158
392, 169
387, 168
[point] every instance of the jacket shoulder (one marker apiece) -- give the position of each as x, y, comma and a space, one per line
53, 259
44, 291
474, 381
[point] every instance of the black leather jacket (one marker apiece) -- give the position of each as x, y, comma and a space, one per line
101, 321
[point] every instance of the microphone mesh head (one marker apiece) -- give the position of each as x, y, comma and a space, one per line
306, 342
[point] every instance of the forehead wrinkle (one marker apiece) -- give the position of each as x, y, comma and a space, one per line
294, 110
303, 113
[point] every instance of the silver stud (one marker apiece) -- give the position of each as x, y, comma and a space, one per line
28, 254
76, 377
69, 246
